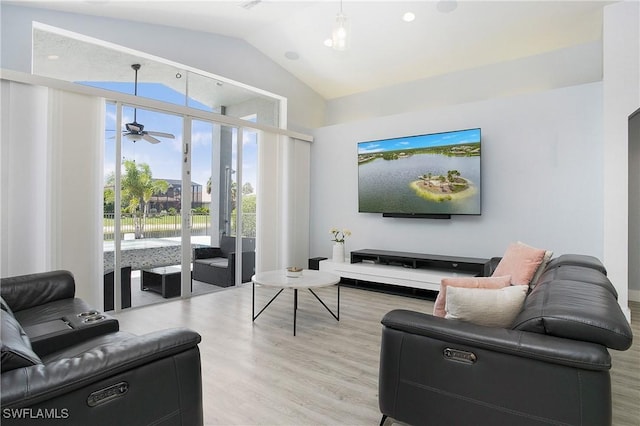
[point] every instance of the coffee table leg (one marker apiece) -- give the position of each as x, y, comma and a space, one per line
335, 315
253, 303
295, 308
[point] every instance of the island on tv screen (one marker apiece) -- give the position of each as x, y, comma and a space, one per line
435, 173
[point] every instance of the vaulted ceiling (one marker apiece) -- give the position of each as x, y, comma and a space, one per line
446, 35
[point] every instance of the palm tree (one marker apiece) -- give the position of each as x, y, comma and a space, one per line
138, 186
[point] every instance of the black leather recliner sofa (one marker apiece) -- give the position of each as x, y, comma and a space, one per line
551, 367
65, 363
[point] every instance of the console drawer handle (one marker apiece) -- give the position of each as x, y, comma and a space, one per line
460, 356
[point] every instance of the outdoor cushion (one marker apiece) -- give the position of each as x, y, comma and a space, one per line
220, 262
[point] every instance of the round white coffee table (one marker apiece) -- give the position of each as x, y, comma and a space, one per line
309, 280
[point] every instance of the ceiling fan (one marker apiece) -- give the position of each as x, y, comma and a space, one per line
135, 131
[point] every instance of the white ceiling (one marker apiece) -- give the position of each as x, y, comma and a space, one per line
384, 49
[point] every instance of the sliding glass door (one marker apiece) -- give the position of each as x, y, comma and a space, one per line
179, 198
143, 193
227, 208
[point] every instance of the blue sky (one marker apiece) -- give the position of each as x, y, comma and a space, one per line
422, 141
165, 158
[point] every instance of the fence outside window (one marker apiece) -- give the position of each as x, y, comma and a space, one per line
168, 226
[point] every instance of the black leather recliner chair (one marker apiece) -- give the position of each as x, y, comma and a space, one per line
551, 367
66, 363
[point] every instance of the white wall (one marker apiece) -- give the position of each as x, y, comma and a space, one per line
560, 68
621, 97
225, 56
541, 178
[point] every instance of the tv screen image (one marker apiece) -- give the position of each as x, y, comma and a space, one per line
431, 174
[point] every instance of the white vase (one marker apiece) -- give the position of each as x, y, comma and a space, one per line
338, 252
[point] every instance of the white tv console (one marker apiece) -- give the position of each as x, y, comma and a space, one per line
414, 270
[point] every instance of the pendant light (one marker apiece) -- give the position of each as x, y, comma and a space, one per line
340, 34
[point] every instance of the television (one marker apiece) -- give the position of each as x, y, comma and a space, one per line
431, 175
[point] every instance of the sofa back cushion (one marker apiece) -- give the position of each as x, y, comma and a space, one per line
15, 349
578, 260
575, 310
25, 291
579, 273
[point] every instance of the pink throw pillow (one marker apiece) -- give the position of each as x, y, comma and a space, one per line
467, 282
521, 262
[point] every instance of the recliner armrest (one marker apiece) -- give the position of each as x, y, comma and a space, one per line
32, 385
536, 346
26, 291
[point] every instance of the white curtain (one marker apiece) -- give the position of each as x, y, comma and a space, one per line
24, 211
51, 184
283, 202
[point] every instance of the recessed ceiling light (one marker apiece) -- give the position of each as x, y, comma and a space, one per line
53, 57
328, 42
291, 55
409, 17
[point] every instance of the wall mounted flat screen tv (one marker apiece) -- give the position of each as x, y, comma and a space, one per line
432, 174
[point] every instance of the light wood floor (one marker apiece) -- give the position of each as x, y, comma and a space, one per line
258, 373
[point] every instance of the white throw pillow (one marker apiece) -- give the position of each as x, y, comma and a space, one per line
488, 307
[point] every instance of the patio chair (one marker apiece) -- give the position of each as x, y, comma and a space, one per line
217, 265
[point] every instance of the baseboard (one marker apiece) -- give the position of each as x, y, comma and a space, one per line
634, 295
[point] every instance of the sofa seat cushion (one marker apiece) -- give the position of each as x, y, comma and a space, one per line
575, 310
218, 262
16, 349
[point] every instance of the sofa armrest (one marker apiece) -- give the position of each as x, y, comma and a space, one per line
207, 253
452, 372
529, 345
26, 291
32, 385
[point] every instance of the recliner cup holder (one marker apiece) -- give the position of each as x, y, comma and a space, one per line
88, 314
94, 318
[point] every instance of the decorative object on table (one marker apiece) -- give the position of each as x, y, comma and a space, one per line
294, 272
339, 236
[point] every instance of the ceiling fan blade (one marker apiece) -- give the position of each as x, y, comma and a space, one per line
150, 138
164, 135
